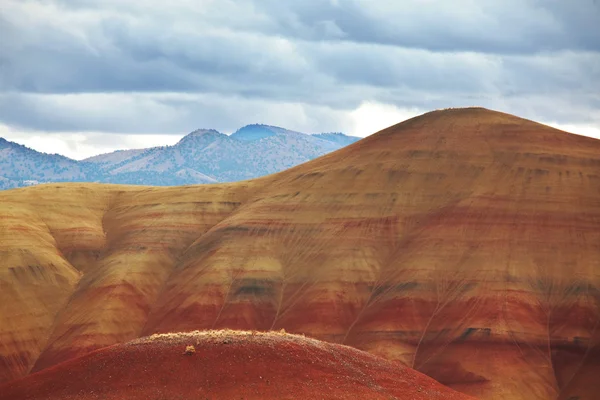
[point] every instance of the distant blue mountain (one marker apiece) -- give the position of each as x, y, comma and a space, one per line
253, 132
22, 166
203, 156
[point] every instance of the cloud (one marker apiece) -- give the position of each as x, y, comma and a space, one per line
145, 67
578, 129
79, 146
372, 117
139, 113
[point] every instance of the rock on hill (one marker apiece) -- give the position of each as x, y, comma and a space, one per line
228, 365
462, 243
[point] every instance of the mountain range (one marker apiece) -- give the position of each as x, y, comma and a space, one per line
203, 156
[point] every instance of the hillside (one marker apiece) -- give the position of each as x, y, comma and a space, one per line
462, 243
21, 166
203, 156
228, 365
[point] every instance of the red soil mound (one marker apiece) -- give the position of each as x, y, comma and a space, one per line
228, 365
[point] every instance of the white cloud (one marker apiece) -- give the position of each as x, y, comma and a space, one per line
368, 118
371, 117
79, 146
579, 129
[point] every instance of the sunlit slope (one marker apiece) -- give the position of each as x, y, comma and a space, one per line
84, 262
464, 243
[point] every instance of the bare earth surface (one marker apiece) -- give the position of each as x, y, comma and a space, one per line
463, 243
228, 365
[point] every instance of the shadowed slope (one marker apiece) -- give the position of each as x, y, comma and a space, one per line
228, 365
463, 243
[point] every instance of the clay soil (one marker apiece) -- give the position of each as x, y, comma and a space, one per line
228, 365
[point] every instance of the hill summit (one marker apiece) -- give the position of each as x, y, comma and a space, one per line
228, 364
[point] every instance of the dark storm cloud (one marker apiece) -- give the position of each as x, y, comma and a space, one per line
71, 65
510, 26
117, 55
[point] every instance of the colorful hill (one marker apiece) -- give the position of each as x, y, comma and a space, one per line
462, 243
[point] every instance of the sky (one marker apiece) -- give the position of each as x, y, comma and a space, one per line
83, 77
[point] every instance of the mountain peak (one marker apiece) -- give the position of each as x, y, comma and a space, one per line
4, 144
200, 134
203, 132
467, 113
254, 132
